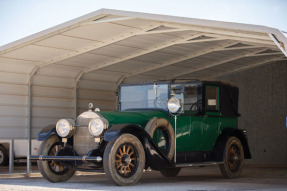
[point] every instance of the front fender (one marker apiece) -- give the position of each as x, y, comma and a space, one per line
155, 158
46, 132
219, 147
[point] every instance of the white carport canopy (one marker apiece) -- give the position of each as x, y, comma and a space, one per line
56, 73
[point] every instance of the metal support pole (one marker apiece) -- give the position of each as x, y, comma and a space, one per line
11, 156
76, 94
29, 111
175, 118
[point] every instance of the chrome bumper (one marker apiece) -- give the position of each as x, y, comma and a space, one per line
66, 158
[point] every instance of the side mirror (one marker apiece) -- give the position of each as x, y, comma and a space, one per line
174, 105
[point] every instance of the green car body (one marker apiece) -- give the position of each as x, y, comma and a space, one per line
194, 133
203, 130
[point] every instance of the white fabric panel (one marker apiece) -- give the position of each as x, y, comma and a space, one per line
65, 42
16, 67
52, 112
13, 78
13, 89
9, 110
6, 121
39, 123
102, 105
97, 85
86, 60
52, 102
96, 95
59, 71
103, 75
53, 81
140, 78
13, 132
52, 92
13, 100
101, 94
35, 53
98, 32
52, 99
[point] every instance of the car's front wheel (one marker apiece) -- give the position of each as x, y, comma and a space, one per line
51, 170
233, 158
124, 160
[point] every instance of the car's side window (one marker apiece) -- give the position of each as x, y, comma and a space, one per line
212, 98
191, 97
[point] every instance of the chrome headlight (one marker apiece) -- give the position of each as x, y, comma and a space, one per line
97, 126
65, 127
174, 105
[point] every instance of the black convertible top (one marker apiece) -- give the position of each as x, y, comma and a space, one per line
228, 97
229, 93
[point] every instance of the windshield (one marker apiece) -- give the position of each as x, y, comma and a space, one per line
147, 96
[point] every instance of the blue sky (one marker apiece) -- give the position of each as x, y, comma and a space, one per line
21, 18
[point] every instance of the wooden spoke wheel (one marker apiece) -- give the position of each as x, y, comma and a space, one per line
56, 166
233, 159
51, 170
124, 160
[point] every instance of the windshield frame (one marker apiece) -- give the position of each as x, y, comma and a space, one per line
169, 84
143, 84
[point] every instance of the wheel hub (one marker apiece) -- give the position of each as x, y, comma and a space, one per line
233, 160
125, 160
56, 166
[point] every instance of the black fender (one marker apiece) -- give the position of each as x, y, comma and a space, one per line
46, 132
155, 158
219, 147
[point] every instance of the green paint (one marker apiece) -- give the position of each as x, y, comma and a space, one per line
193, 132
132, 117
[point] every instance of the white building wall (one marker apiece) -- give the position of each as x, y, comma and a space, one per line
14, 75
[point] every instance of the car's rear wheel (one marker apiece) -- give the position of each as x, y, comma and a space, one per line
163, 135
124, 160
233, 159
51, 170
3, 156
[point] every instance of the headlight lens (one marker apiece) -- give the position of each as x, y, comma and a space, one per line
174, 105
97, 126
65, 127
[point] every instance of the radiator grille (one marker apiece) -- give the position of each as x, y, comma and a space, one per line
83, 140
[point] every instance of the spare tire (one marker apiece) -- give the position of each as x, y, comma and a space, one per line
162, 133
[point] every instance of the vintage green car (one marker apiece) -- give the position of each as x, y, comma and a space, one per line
164, 126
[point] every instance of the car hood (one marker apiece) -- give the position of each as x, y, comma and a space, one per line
140, 117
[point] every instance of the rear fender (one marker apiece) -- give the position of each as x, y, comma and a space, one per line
219, 147
155, 158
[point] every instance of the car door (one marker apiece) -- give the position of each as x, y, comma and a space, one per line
188, 132
211, 119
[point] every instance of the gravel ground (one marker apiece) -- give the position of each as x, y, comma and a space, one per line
189, 179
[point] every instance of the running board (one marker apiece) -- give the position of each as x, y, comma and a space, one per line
197, 164
66, 158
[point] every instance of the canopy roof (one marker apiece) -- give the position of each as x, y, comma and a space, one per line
85, 59
147, 46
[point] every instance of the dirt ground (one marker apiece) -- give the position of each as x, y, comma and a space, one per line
189, 179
